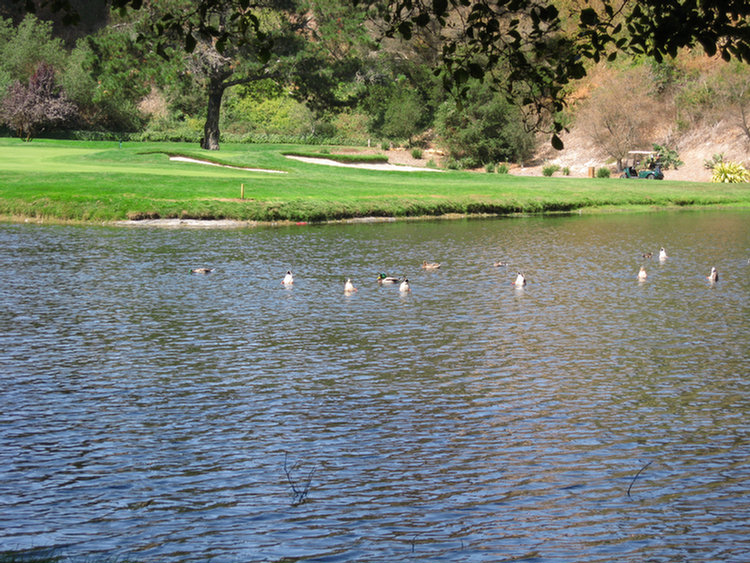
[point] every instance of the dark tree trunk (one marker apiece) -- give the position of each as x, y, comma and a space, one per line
210, 140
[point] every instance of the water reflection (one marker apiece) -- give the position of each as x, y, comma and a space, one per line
148, 412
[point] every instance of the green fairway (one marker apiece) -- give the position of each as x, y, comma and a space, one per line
101, 181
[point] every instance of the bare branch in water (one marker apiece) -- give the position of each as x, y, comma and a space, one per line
637, 474
298, 495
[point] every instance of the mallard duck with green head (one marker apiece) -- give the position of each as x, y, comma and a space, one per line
387, 280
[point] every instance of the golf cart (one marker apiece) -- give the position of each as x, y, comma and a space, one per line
650, 159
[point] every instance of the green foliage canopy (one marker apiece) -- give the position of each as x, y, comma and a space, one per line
235, 42
520, 44
105, 76
484, 128
523, 47
24, 47
528, 49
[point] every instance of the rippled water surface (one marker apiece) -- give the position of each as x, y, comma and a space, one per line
153, 415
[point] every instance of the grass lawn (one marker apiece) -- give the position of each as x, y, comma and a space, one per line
101, 181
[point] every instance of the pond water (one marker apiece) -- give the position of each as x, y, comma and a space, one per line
153, 415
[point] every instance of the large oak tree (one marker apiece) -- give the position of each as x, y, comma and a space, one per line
238, 42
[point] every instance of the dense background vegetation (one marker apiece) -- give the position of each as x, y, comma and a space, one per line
321, 72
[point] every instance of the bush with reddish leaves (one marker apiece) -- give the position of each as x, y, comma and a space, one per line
30, 108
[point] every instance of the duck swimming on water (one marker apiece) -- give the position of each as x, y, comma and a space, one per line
201, 270
430, 265
387, 280
404, 287
662, 254
642, 275
520, 280
288, 278
349, 286
713, 277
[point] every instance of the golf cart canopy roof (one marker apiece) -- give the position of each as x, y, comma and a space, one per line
641, 152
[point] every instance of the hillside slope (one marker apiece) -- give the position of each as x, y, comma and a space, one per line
694, 147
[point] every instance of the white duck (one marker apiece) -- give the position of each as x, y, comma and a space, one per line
349, 286
520, 280
642, 275
404, 287
662, 254
713, 277
288, 278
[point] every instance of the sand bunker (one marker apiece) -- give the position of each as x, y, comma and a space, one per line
362, 165
313, 160
196, 161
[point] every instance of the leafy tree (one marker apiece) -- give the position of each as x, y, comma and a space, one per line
29, 108
266, 108
24, 47
29, 57
6, 31
484, 128
107, 76
403, 113
402, 71
401, 95
235, 42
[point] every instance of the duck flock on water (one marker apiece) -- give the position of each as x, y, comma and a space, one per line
519, 282
712, 277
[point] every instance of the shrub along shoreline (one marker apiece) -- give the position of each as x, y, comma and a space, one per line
112, 183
